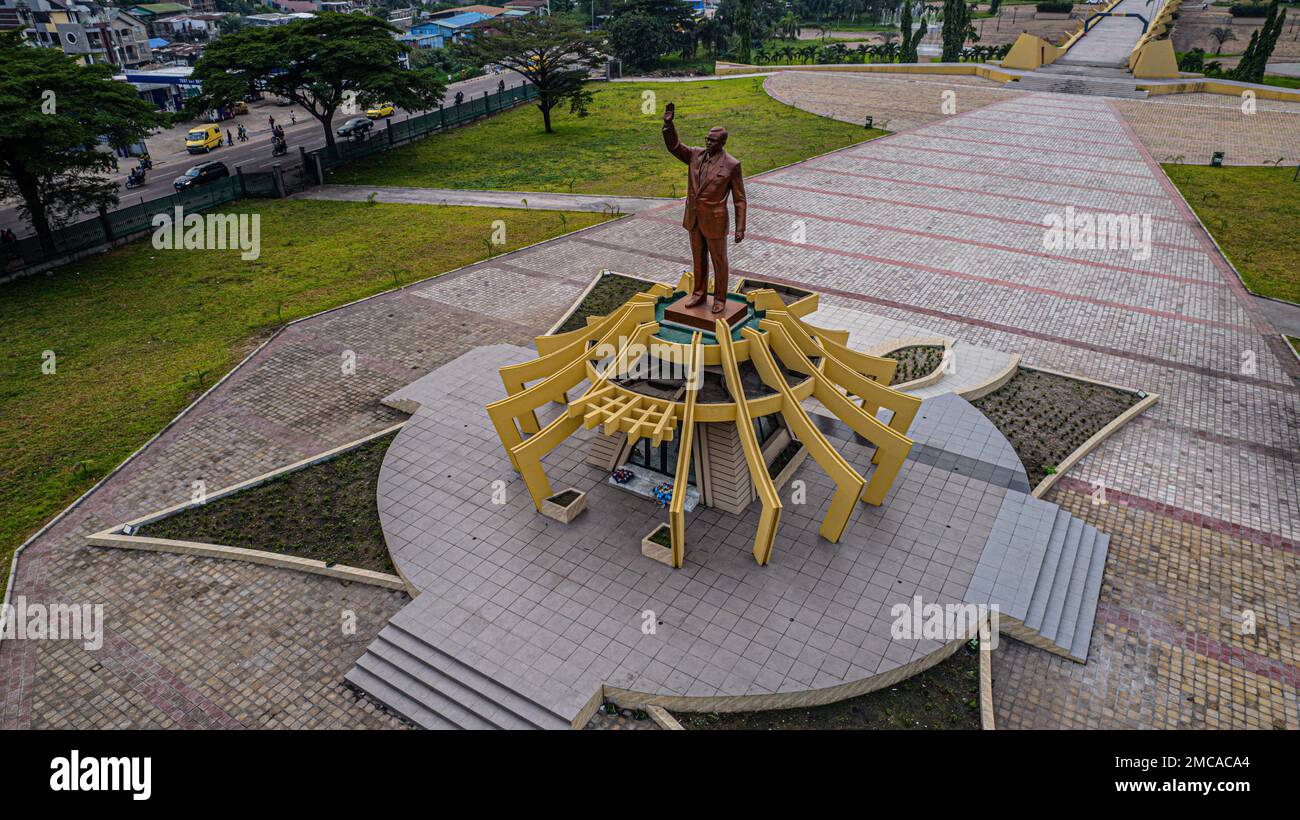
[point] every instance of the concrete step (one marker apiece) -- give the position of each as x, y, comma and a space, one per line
384, 688
1064, 635
1091, 594
1085, 70
417, 682
1061, 583
509, 707
1038, 601
1086, 86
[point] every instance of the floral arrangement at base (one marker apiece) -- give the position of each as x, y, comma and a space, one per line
622, 475
664, 493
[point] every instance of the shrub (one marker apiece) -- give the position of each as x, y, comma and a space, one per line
1249, 10
1055, 8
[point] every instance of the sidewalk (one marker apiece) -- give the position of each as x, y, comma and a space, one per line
486, 199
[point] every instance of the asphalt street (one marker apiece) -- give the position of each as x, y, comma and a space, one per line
170, 159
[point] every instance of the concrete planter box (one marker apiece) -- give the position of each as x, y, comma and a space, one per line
555, 506
789, 469
658, 552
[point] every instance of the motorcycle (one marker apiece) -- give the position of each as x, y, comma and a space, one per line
135, 179
145, 162
279, 148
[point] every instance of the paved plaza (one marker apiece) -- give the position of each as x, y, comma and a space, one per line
938, 226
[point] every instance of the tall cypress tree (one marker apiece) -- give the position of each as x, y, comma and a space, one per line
910, 40
957, 29
1254, 60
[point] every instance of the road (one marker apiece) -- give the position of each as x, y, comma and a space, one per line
170, 159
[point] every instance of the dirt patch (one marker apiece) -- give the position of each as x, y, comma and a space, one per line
915, 362
946, 696
608, 295
326, 511
1046, 417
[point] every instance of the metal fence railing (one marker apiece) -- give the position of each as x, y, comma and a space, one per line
417, 126
129, 220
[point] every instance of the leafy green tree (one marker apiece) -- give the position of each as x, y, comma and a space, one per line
639, 39
53, 113
551, 52
328, 62
1221, 35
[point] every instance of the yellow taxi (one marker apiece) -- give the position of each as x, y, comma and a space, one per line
381, 111
203, 138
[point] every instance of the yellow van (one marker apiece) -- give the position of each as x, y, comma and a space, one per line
203, 138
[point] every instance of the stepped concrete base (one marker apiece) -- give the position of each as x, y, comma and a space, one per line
523, 622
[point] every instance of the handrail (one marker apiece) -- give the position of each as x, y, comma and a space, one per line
848, 482
681, 476
771, 515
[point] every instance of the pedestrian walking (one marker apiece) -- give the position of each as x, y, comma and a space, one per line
270, 119
501, 86
293, 118
230, 138
460, 97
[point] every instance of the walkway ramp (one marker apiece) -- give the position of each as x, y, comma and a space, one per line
1112, 39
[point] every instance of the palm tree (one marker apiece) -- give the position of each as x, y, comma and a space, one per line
1221, 35
788, 26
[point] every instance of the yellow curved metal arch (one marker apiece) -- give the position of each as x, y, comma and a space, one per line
526, 456
681, 475
771, 501
848, 482
892, 447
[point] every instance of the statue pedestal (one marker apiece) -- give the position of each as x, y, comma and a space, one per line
701, 316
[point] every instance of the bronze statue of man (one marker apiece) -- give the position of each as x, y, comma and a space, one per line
713, 173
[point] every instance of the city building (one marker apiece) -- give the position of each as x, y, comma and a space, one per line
91, 32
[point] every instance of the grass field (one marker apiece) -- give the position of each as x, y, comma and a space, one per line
615, 150
138, 332
1252, 213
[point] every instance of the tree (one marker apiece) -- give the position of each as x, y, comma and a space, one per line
552, 53
745, 28
322, 64
957, 29
643, 31
1221, 35
788, 26
53, 113
639, 39
911, 40
1255, 59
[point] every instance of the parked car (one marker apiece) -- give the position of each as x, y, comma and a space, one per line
201, 174
381, 111
355, 127
203, 138
239, 107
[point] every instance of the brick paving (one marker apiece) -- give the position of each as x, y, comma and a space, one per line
915, 236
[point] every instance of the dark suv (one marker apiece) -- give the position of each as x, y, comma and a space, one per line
201, 174
357, 128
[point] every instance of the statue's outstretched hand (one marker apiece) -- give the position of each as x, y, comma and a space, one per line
669, 111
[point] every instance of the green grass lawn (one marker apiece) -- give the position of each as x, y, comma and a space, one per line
1281, 82
1253, 214
615, 150
138, 332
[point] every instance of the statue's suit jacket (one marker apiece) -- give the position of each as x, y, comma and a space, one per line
706, 198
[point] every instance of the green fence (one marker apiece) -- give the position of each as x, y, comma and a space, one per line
399, 132
129, 220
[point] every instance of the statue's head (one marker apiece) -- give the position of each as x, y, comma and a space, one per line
716, 139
